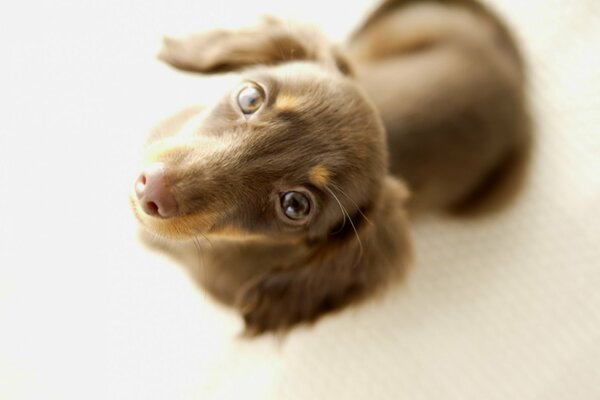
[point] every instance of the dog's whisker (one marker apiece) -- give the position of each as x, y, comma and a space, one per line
198, 246
208, 240
339, 189
196, 242
341, 228
360, 246
342, 211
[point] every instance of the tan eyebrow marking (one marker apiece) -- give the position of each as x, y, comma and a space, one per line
319, 175
287, 102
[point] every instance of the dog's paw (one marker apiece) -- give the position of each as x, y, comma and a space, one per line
281, 300
275, 303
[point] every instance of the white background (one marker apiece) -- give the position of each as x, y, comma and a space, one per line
507, 307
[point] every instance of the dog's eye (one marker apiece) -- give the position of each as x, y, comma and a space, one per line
250, 99
295, 205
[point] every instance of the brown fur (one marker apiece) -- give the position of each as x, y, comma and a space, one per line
450, 92
446, 80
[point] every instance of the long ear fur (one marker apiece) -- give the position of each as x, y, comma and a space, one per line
270, 43
345, 268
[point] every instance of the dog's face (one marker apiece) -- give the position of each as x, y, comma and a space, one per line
292, 151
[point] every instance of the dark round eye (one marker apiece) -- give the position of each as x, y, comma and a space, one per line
295, 205
250, 99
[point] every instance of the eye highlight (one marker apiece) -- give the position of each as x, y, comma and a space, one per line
295, 205
249, 99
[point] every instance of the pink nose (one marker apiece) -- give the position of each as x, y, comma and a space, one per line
154, 195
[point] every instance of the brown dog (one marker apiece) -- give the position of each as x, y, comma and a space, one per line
295, 175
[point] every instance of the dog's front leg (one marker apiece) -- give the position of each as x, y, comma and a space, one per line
284, 298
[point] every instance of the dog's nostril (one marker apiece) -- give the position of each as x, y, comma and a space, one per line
151, 208
153, 193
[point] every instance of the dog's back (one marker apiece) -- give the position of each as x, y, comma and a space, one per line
448, 81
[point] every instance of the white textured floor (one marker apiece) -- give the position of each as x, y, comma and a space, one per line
503, 308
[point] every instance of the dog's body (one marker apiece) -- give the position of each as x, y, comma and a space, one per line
293, 191
462, 136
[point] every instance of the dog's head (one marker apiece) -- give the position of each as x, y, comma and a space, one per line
292, 151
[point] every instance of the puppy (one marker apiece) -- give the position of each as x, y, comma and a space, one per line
298, 176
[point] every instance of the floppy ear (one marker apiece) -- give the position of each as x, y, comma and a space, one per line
270, 43
346, 268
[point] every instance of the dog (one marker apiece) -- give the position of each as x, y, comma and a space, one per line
303, 176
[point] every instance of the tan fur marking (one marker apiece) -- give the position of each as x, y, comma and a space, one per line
157, 151
287, 102
319, 175
230, 231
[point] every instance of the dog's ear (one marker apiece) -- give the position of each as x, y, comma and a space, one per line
272, 42
342, 62
350, 265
